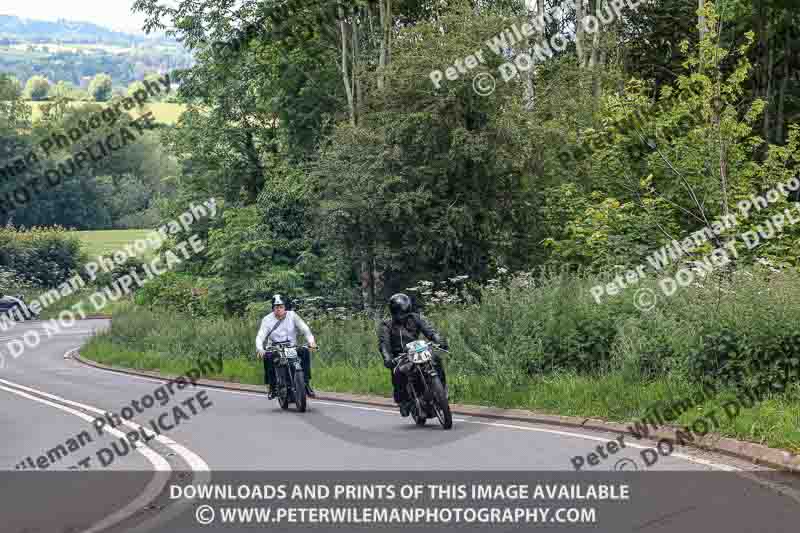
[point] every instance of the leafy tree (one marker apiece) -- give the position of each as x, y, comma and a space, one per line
66, 90
15, 86
100, 88
136, 86
37, 88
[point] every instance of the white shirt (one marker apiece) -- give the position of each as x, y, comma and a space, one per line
286, 331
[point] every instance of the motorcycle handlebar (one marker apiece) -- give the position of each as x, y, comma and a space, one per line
269, 349
404, 355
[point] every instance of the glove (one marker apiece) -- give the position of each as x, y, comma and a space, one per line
388, 363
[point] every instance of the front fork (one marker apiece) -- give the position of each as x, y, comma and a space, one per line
421, 375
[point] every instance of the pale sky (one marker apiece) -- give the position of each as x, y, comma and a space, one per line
114, 14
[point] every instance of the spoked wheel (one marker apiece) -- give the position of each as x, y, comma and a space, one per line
283, 394
419, 417
440, 404
284, 401
300, 391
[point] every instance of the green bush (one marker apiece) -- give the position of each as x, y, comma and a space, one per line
105, 279
43, 257
748, 363
542, 327
176, 292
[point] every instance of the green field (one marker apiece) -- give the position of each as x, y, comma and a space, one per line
165, 113
108, 241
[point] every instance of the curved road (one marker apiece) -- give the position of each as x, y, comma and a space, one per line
50, 401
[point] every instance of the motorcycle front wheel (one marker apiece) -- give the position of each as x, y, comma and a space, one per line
284, 401
300, 391
283, 397
419, 418
440, 404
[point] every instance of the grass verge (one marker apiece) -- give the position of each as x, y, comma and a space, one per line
773, 422
544, 345
106, 242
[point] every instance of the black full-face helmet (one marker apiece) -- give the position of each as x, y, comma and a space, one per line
400, 306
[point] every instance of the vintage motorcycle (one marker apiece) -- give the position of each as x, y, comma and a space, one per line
289, 376
424, 384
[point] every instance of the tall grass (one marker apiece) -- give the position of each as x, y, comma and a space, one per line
541, 344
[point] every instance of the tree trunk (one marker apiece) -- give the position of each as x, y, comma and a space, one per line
365, 283
769, 93
593, 55
371, 280
256, 177
345, 41
356, 64
787, 54
530, 91
579, 32
701, 19
386, 41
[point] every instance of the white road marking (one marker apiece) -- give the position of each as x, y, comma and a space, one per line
195, 461
69, 333
697, 460
159, 481
150, 492
554, 432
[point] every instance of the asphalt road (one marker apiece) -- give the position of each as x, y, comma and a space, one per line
50, 401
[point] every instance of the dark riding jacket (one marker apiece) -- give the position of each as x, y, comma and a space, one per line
394, 335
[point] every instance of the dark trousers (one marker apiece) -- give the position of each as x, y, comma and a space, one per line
305, 360
399, 381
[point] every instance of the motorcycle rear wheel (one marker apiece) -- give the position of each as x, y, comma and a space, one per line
440, 404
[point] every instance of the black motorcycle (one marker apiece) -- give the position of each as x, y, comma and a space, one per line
424, 384
290, 380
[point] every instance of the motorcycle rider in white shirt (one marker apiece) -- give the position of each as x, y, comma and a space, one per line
281, 326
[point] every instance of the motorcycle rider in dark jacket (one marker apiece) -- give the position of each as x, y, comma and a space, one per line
394, 334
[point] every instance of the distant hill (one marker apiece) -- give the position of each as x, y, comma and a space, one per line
16, 29
75, 52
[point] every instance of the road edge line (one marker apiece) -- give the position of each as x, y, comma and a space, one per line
756, 453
